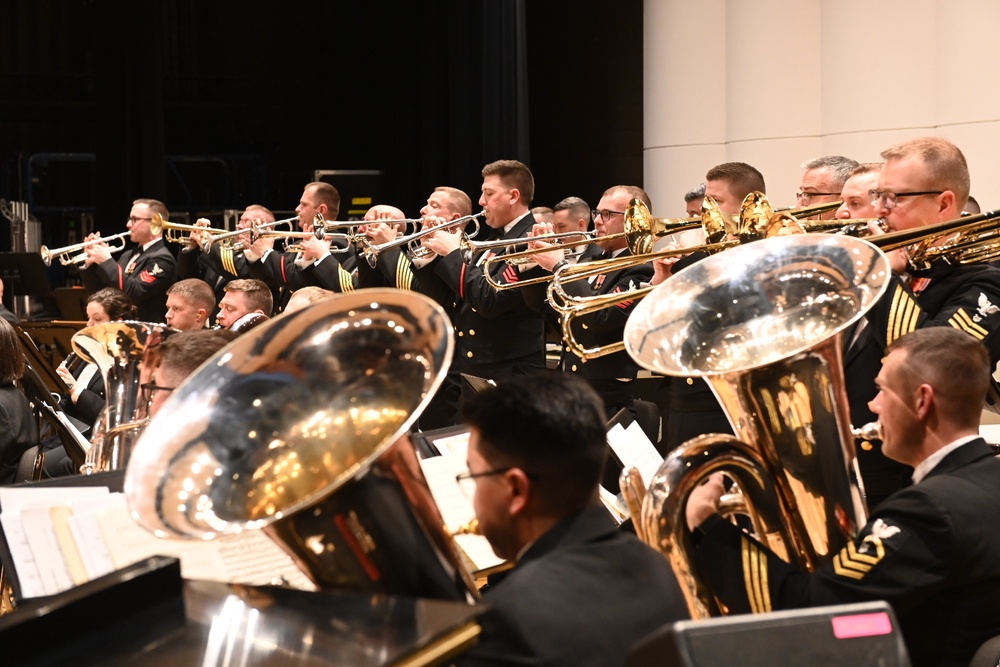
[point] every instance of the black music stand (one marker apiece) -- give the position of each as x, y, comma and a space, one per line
72, 303
24, 274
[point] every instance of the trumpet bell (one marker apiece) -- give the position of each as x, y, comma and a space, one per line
293, 428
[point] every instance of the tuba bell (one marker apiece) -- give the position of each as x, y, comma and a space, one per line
120, 350
762, 323
297, 428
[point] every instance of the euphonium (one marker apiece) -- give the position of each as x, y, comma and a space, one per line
297, 428
762, 324
119, 349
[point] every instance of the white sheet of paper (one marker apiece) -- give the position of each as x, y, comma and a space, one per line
24, 560
635, 450
453, 445
41, 537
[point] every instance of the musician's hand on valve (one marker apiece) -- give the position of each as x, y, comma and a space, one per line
259, 248
703, 501
384, 212
313, 248
379, 232
98, 252
441, 242
546, 260
197, 239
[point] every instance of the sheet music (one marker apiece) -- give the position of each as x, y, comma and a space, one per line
634, 450
456, 508
60, 537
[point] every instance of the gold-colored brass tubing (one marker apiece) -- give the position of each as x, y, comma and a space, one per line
160, 226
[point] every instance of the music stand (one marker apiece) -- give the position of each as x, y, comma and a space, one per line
24, 274
72, 303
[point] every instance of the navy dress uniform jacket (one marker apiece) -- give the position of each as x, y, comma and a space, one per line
931, 550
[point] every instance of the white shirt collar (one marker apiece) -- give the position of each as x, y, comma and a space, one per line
924, 467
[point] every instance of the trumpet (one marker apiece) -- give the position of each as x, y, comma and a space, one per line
71, 254
225, 236
319, 233
372, 251
174, 232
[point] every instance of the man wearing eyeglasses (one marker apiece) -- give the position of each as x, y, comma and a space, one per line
822, 181
143, 273
924, 181
581, 591
179, 356
613, 375
856, 202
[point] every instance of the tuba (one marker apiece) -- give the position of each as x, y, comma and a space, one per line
297, 428
762, 323
120, 350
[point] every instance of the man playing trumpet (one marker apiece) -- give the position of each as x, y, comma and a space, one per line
143, 273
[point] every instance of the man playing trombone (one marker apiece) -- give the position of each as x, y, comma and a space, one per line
612, 375
143, 273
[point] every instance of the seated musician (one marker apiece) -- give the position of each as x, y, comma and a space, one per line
305, 297
18, 430
243, 297
581, 591
179, 356
84, 380
932, 549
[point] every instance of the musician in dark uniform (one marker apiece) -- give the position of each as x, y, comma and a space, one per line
924, 181
218, 263
315, 264
932, 550
143, 273
581, 591
613, 375
497, 334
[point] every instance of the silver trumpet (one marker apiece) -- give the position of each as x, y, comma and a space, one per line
412, 241
69, 255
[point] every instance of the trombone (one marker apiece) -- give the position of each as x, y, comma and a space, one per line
372, 251
71, 254
642, 231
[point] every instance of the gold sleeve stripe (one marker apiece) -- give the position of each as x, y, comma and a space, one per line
346, 280
404, 273
961, 320
852, 564
755, 577
903, 315
226, 256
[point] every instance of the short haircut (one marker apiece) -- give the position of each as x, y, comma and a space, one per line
971, 205
458, 201
695, 193
313, 293
326, 194
741, 178
264, 213
11, 354
867, 168
577, 208
634, 190
115, 303
954, 363
946, 166
181, 353
514, 175
256, 294
552, 426
541, 210
156, 205
840, 166
196, 292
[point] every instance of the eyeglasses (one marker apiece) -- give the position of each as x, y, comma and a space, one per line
467, 480
135, 220
149, 389
888, 199
604, 214
806, 197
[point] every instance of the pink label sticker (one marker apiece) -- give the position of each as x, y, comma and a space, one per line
861, 625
